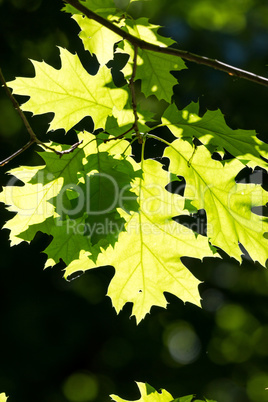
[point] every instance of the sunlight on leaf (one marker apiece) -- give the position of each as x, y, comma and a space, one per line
148, 394
212, 131
153, 69
211, 185
97, 39
147, 255
155, 74
74, 198
98, 6
70, 93
30, 201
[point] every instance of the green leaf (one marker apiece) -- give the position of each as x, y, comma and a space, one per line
97, 39
94, 5
211, 185
92, 182
67, 167
146, 396
43, 191
68, 239
3, 397
30, 202
109, 188
149, 394
212, 131
123, 121
70, 93
38, 198
99, 5
147, 255
143, 29
154, 73
152, 68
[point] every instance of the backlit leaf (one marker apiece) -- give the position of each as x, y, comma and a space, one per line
147, 255
80, 210
30, 202
123, 121
70, 92
148, 394
98, 6
68, 239
142, 29
152, 68
100, 206
97, 39
211, 185
155, 73
212, 130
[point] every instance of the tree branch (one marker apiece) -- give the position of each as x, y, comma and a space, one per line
5, 161
216, 64
18, 109
33, 137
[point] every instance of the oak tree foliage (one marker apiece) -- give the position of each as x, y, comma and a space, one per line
101, 206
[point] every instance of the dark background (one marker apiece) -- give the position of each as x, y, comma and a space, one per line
62, 341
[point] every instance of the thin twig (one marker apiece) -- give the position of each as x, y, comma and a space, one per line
18, 109
66, 151
5, 161
71, 149
133, 94
119, 136
33, 137
216, 64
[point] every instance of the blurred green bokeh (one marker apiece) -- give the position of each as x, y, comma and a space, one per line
62, 341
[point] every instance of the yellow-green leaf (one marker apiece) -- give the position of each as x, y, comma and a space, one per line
70, 92
97, 39
148, 394
153, 68
154, 72
30, 201
147, 255
212, 130
211, 185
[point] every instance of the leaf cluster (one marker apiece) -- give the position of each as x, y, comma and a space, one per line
98, 203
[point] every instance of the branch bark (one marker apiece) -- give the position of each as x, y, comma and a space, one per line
216, 64
33, 137
18, 109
